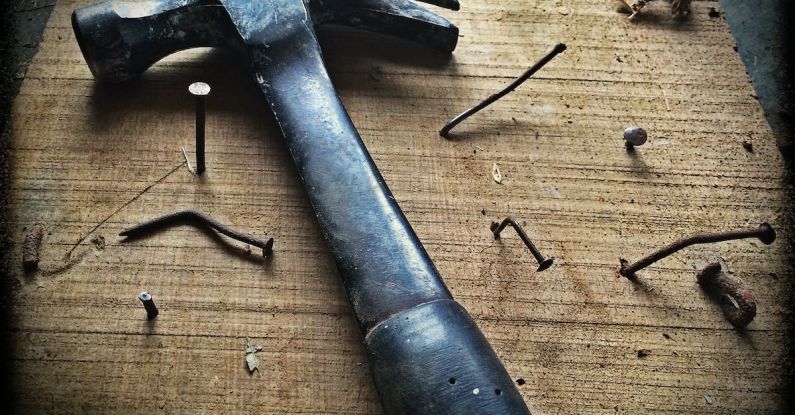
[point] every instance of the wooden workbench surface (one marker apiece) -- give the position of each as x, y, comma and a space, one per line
86, 154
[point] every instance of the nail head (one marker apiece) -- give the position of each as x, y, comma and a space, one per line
199, 89
768, 235
635, 135
545, 264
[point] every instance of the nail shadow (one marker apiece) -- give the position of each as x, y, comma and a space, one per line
643, 285
639, 165
494, 130
372, 48
162, 91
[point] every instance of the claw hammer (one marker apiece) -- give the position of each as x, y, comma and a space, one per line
426, 353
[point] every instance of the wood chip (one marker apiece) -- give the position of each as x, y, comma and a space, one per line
251, 359
495, 173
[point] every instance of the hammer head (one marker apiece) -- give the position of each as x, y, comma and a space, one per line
121, 39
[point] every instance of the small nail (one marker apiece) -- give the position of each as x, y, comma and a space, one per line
496, 228
199, 90
732, 293
634, 136
149, 305
31, 247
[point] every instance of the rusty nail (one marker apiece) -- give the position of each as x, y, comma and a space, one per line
764, 232
735, 298
199, 90
149, 305
31, 246
543, 263
194, 216
560, 47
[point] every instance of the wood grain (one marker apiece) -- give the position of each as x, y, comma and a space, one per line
82, 150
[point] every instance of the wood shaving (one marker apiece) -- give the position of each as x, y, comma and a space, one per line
251, 358
679, 8
495, 173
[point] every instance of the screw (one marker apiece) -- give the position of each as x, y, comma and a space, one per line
542, 262
149, 305
199, 90
634, 136
764, 232
559, 48
194, 216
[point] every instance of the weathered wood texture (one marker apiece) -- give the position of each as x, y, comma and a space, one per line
82, 151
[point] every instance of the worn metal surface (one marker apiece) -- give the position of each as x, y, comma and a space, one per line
385, 270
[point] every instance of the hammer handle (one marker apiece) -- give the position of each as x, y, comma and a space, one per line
426, 352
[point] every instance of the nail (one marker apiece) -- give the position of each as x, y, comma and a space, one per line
543, 263
149, 305
764, 232
31, 247
560, 47
732, 293
634, 136
194, 216
199, 90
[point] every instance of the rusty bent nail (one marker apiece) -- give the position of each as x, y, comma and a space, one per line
542, 262
149, 305
764, 232
560, 47
199, 90
198, 217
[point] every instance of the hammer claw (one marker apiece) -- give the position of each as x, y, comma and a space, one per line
447, 4
400, 18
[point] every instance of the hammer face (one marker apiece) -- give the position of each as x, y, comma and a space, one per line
121, 39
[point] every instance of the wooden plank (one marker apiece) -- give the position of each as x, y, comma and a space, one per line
82, 151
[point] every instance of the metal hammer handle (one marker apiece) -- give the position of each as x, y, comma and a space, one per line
428, 356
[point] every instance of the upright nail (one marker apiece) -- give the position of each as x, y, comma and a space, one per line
764, 232
149, 305
199, 90
634, 136
543, 263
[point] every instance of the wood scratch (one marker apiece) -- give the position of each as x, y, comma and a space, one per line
187, 162
133, 199
665, 96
